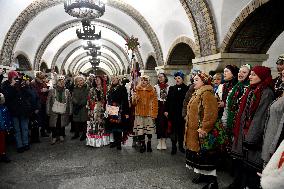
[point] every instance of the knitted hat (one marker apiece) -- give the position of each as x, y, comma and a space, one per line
205, 78
12, 74
262, 72
180, 74
234, 69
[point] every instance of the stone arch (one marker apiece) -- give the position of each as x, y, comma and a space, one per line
115, 68
38, 6
256, 28
78, 58
183, 39
43, 67
56, 69
23, 62
74, 23
181, 54
105, 72
200, 16
80, 66
108, 48
64, 46
151, 63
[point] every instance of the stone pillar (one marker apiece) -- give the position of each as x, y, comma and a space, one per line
219, 61
169, 70
152, 74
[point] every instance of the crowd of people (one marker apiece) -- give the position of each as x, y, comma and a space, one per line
235, 116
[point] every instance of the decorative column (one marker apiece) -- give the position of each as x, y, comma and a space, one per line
170, 70
217, 62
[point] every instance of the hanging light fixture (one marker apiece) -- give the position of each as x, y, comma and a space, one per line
88, 31
85, 8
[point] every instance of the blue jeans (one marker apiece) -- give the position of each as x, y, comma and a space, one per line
21, 125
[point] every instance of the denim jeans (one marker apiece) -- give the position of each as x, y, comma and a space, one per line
21, 125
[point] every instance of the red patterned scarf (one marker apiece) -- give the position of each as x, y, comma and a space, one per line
249, 103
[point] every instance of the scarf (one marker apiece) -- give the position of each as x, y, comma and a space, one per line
233, 102
248, 105
163, 91
227, 86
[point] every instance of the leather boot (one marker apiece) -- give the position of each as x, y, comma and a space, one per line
149, 148
212, 184
174, 149
142, 147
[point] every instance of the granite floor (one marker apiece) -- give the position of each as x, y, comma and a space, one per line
71, 165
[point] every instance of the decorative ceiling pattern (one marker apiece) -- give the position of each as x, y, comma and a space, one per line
203, 25
37, 6
74, 23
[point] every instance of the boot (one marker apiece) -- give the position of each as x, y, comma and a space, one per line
200, 179
4, 158
53, 141
83, 137
149, 148
118, 146
112, 144
174, 149
163, 144
76, 135
213, 184
181, 149
142, 147
61, 138
159, 147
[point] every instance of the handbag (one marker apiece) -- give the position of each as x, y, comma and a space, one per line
59, 107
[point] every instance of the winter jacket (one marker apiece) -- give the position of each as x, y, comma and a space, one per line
248, 146
66, 98
273, 129
79, 99
17, 99
202, 112
145, 102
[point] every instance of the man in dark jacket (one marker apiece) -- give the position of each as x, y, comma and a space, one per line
18, 101
173, 110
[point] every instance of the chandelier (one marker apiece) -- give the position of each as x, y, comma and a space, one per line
88, 31
85, 8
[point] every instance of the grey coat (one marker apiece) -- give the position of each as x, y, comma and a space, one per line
254, 136
53, 116
79, 99
273, 129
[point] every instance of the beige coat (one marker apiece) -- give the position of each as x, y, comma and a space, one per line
53, 116
202, 110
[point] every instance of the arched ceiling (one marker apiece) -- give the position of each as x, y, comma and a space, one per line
42, 31
35, 32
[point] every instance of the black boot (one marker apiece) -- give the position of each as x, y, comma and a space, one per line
83, 137
112, 144
174, 149
200, 179
118, 146
181, 149
149, 148
76, 135
4, 158
142, 147
212, 184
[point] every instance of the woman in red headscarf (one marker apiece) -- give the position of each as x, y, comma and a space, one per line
249, 128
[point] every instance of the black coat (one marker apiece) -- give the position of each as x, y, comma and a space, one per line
118, 96
174, 103
17, 99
